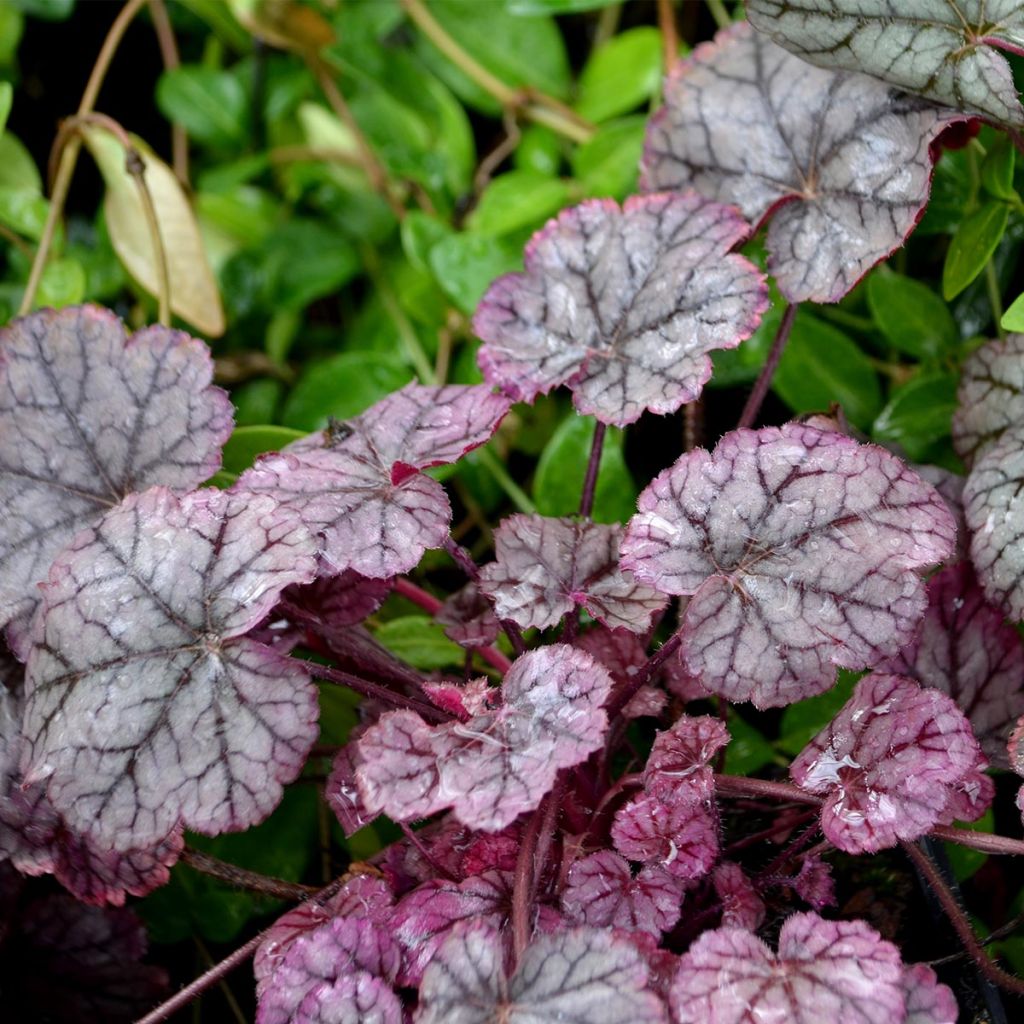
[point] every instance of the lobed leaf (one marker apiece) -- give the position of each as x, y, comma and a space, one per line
357, 998
359, 484
991, 396
948, 52
928, 1002
814, 883
468, 618
623, 653
801, 549
888, 764
680, 759
546, 568
841, 162
742, 906
146, 707
87, 416
622, 305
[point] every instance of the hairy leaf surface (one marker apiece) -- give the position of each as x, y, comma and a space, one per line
680, 759
742, 906
928, 1002
147, 707
991, 396
622, 305
840, 161
678, 833
801, 549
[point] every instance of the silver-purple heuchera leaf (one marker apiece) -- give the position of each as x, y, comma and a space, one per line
545, 568
622, 305
680, 759
842, 972
965, 648
888, 764
578, 975
356, 998
498, 764
87, 416
468, 618
358, 483
742, 906
802, 550
841, 162
814, 883
600, 891
928, 1002
1015, 755
146, 705
947, 51
990, 396
623, 653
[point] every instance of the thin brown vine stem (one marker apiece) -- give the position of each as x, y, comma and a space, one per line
593, 468
242, 878
958, 919
172, 60
644, 675
764, 379
993, 936
669, 34
62, 181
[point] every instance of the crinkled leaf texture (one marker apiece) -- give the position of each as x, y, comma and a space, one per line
498, 764
87, 416
468, 618
147, 707
545, 568
622, 305
622, 652
842, 972
1015, 753
680, 758
888, 764
578, 975
928, 1002
965, 648
946, 51
842, 161
742, 906
359, 485
802, 550
990, 396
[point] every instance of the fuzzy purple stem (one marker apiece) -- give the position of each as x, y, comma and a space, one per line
644, 675
593, 465
242, 878
764, 380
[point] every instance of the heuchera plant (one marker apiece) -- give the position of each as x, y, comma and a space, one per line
570, 845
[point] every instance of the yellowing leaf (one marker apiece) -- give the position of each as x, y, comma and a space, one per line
193, 291
284, 23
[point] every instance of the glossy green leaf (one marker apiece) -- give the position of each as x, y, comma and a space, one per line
607, 164
12, 24
620, 75
741, 365
211, 105
245, 213
802, 721
748, 751
246, 443
17, 168
951, 189
257, 401
822, 365
63, 284
23, 211
1013, 318
48, 10
420, 233
972, 246
997, 170
558, 483
6, 100
963, 860
529, 8
517, 200
306, 260
466, 264
913, 319
919, 414
539, 150
420, 641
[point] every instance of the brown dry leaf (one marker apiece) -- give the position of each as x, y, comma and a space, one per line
284, 23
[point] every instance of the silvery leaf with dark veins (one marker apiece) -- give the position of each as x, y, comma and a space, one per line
147, 707
622, 305
840, 161
87, 416
680, 758
946, 50
928, 1002
990, 396
802, 550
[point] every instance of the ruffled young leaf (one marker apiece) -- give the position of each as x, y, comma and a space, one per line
991, 396
965, 648
468, 618
842, 972
601, 891
928, 1002
545, 568
680, 835
147, 707
742, 906
680, 758
841, 161
357, 998
358, 484
948, 52
995, 518
622, 305
87, 416
814, 883
801, 549
499, 764
887, 764
578, 975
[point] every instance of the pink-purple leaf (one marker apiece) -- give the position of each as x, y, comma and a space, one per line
343, 600
945, 51
88, 415
468, 618
357, 998
498, 764
801, 549
841, 161
680, 758
601, 891
842, 972
545, 568
928, 1002
623, 653
359, 484
887, 764
990, 396
342, 793
147, 707
965, 648
742, 906
622, 305
814, 883
579, 975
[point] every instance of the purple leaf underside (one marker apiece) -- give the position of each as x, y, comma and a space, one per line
468, 618
358, 484
545, 568
87, 416
146, 706
990, 396
888, 764
947, 52
622, 305
680, 759
802, 550
841, 161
